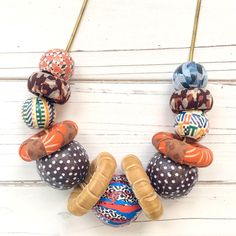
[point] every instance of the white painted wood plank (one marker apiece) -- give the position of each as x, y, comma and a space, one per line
111, 30
107, 25
215, 23
157, 65
120, 118
113, 24
137, 42
42, 211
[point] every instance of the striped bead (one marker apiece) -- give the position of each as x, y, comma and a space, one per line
118, 206
37, 112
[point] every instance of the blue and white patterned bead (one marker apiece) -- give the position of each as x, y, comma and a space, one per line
191, 125
190, 75
38, 112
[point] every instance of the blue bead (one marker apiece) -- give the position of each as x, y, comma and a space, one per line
118, 206
190, 75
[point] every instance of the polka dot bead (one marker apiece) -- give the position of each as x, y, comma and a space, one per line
38, 112
57, 62
64, 168
170, 179
192, 125
190, 75
118, 206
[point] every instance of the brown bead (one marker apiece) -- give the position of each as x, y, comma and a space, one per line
46, 85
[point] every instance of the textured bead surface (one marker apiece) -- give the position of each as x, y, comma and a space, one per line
48, 141
46, 85
64, 168
171, 179
57, 62
191, 99
38, 112
192, 125
118, 205
182, 152
190, 75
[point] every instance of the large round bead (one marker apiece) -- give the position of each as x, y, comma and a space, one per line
118, 205
58, 62
38, 112
46, 85
192, 125
190, 75
171, 179
64, 168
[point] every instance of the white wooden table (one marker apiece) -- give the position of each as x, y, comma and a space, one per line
125, 53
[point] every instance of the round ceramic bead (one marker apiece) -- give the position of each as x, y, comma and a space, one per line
58, 62
118, 205
38, 112
191, 99
46, 85
64, 168
190, 75
192, 125
171, 179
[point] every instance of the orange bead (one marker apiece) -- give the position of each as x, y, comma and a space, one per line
182, 152
58, 62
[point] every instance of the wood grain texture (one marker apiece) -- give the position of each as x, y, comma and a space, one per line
107, 123
46, 214
125, 53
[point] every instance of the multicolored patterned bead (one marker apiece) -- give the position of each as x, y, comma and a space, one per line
46, 85
191, 99
37, 112
192, 125
180, 151
118, 206
64, 168
190, 75
58, 62
48, 141
171, 179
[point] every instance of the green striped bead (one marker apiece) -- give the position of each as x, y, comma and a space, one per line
38, 112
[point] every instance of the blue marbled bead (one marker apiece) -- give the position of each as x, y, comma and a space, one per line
190, 75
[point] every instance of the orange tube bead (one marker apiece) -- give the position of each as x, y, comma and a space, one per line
48, 141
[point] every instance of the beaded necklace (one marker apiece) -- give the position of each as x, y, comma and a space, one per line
117, 200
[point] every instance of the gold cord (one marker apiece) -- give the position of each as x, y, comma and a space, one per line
76, 25
194, 34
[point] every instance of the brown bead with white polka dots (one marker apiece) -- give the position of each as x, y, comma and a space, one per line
171, 179
64, 168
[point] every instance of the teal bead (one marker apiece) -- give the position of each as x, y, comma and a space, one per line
38, 112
